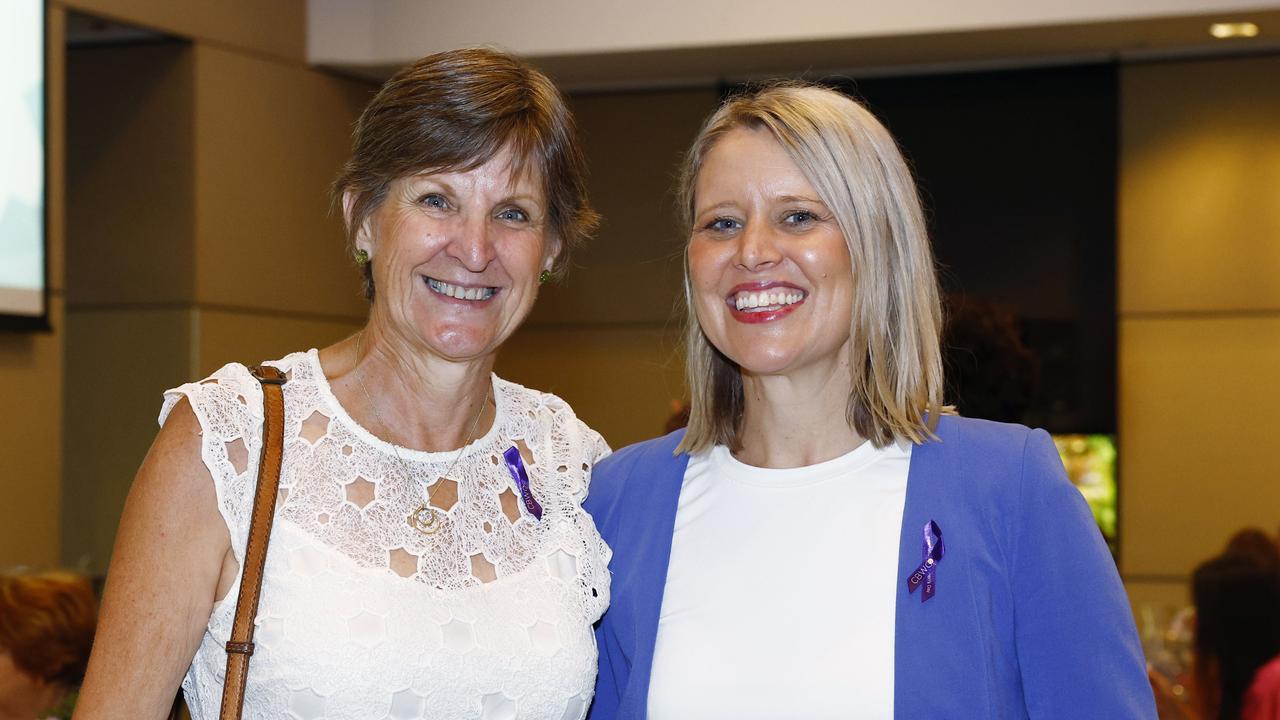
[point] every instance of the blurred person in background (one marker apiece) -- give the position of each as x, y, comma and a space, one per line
785, 556
46, 631
1255, 541
430, 557
990, 373
1236, 661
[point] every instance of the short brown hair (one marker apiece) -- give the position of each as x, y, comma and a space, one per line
455, 110
47, 623
856, 168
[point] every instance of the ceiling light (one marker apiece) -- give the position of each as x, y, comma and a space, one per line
1223, 31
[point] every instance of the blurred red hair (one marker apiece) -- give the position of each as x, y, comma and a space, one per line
47, 623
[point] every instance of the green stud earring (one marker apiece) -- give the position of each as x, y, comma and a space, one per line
362, 257
543, 277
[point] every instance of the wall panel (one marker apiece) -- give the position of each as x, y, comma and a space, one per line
270, 139
276, 28
1199, 304
1198, 437
120, 361
620, 380
31, 442
224, 336
129, 174
1200, 186
631, 272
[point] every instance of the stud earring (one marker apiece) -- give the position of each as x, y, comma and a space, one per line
543, 277
362, 257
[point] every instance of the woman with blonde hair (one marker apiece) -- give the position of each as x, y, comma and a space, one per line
826, 539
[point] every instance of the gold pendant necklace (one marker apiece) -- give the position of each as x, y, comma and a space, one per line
424, 519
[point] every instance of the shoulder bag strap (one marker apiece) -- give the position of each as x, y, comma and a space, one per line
240, 647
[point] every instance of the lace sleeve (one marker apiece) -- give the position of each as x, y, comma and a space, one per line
602, 448
228, 406
575, 440
578, 447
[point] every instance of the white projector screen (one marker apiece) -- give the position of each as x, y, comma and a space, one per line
23, 297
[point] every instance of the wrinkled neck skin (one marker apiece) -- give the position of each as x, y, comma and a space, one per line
423, 401
797, 418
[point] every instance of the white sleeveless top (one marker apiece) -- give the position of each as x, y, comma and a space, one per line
361, 615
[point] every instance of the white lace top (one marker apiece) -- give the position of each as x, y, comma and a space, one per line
363, 616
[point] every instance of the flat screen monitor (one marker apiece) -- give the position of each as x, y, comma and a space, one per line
23, 252
1090, 461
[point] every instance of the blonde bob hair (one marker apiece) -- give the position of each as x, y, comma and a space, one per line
859, 173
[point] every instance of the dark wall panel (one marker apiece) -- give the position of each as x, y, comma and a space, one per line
1017, 171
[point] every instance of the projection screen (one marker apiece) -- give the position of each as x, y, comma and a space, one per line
23, 297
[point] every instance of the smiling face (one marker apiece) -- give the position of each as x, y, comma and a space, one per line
456, 257
769, 271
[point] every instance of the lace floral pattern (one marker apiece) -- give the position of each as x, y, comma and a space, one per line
362, 616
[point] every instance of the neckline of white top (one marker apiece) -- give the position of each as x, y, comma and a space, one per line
426, 456
726, 465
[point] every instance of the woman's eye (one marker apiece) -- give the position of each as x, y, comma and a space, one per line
433, 200
513, 215
723, 224
799, 217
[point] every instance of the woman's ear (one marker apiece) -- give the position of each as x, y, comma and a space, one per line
362, 238
553, 252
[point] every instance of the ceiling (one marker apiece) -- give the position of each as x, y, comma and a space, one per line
1125, 40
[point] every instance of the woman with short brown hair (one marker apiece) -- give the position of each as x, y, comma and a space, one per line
429, 557
46, 632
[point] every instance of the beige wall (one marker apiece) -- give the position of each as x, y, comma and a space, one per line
30, 443
1199, 304
274, 29
270, 137
198, 229
129, 142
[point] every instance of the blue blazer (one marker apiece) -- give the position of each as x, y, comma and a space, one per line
1029, 620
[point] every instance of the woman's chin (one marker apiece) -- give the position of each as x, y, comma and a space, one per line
462, 344
764, 361
759, 363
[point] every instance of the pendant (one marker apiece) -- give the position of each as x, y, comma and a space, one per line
424, 520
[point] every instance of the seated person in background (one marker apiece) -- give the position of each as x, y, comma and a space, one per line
46, 632
1256, 542
1236, 669
1237, 643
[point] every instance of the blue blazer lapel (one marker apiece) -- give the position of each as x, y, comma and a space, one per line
653, 493
935, 672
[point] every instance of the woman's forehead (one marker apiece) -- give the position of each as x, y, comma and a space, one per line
749, 160
502, 172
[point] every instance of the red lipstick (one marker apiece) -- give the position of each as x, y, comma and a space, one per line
753, 316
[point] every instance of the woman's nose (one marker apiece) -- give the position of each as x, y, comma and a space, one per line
472, 244
757, 247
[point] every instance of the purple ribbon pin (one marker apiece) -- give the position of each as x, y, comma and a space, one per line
515, 464
931, 551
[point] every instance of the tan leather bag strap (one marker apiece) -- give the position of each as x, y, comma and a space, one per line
240, 647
